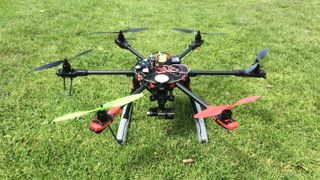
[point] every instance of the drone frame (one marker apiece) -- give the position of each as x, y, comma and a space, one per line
140, 85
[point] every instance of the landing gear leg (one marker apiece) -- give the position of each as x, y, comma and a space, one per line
124, 123
127, 112
200, 124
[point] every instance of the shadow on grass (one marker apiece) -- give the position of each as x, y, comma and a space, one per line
183, 123
264, 115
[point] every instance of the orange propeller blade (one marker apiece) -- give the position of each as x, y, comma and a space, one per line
211, 111
245, 100
216, 110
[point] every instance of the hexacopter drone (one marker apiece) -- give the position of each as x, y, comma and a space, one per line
160, 74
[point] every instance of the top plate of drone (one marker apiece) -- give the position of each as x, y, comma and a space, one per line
165, 74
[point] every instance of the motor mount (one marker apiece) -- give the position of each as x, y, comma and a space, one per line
226, 121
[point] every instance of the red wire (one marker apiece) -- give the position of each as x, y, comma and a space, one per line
172, 69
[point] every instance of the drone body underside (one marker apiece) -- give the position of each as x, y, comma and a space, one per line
160, 74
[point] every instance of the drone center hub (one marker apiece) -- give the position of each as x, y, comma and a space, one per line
161, 78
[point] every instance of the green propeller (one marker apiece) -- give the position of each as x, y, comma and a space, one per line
116, 103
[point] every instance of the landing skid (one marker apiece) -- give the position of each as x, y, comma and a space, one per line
200, 124
126, 117
124, 123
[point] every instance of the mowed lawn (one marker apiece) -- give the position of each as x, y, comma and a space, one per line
278, 135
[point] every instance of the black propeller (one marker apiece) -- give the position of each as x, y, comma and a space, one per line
57, 63
123, 31
262, 54
196, 31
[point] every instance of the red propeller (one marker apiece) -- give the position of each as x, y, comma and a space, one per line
216, 110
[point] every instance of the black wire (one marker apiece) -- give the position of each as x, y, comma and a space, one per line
113, 134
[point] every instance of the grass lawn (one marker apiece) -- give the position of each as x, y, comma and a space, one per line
278, 135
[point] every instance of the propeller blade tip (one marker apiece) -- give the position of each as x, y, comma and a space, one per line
245, 100
197, 116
